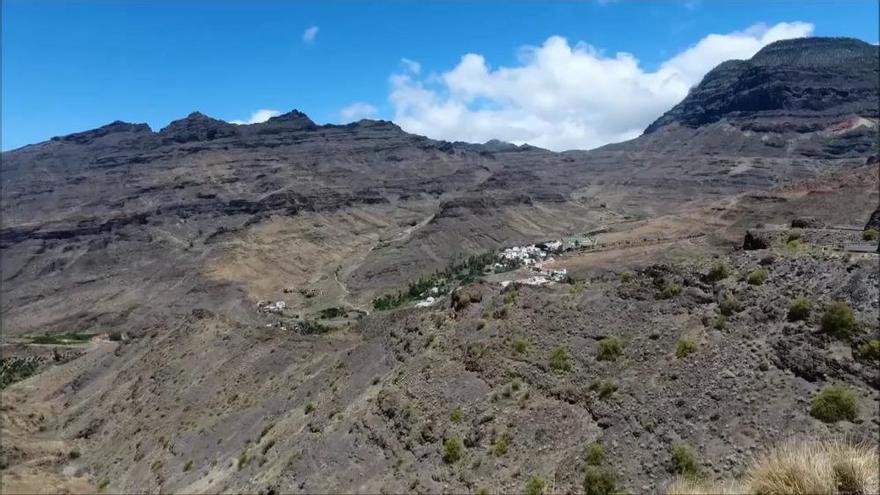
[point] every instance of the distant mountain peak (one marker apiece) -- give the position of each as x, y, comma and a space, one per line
816, 78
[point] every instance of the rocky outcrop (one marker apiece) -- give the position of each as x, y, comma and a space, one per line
812, 80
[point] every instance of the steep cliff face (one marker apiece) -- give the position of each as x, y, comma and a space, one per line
800, 84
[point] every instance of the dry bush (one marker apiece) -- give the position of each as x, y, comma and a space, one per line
799, 468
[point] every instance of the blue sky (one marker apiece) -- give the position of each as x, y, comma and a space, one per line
69, 66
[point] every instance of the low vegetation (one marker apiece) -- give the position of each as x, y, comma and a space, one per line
502, 444
719, 271
333, 312
452, 450
728, 306
800, 309
535, 486
838, 320
594, 454
685, 346
871, 234
604, 388
520, 346
610, 348
600, 480
799, 467
559, 360
456, 415
757, 277
16, 368
870, 350
835, 403
670, 291
63, 338
683, 461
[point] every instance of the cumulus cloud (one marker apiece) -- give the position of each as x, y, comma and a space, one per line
310, 34
357, 111
561, 96
411, 65
260, 115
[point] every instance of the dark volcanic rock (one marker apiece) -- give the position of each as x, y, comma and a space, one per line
823, 78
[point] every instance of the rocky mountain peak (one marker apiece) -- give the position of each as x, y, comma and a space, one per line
197, 127
821, 79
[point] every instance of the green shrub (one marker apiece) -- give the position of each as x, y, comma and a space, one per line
793, 244
838, 319
310, 407
600, 481
594, 454
835, 403
719, 271
794, 235
187, 466
670, 291
685, 346
728, 306
103, 485
73, 454
156, 466
242, 459
456, 415
502, 444
559, 359
757, 277
604, 388
452, 450
520, 346
626, 277
871, 234
720, 323
870, 350
799, 309
683, 461
535, 486
610, 348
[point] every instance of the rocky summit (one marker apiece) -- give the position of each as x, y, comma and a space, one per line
287, 307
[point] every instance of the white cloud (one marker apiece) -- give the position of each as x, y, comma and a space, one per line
561, 96
357, 111
411, 65
310, 34
260, 115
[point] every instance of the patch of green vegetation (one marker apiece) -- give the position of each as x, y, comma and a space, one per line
594, 454
870, 350
670, 291
333, 312
308, 327
73, 454
604, 388
535, 486
63, 338
156, 466
520, 346
187, 466
243, 459
600, 481
838, 320
793, 244
835, 403
728, 306
483, 491
626, 277
719, 271
457, 272
871, 234
794, 235
511, 296
757, 277
799, 309
456, 415
683, 461
502, 444
685, 346
452, 450
720, 323
16, 368
310, 408
559, 360
430, 340
103, 485
610, 348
